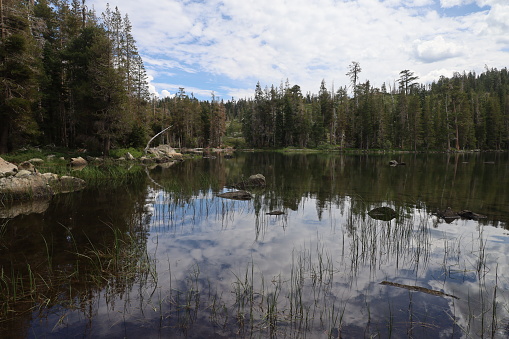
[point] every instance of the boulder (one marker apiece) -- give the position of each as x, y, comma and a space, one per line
66, 184
79, 161
36, 161
27, 165
275, 213
466, 214
26, 185
164, 151
236, 195
23, 174
448, 215
7, 169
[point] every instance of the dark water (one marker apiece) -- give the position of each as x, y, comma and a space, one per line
162, 256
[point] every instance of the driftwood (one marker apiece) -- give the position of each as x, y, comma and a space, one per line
155, 136
275, 213
419, 289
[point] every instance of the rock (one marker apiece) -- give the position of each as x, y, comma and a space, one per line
25, 187
163, 159
7, 169
36, 161
66, 184
236, 195
27, 165
466, 214
23, 174
29, 186
256, 180
383, 213
393, 163
275, 213
79, 161
129, 156
147, 160
448, 215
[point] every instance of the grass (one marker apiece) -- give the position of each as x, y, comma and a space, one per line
28, 285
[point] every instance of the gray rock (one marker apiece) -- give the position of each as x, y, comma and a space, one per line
27, 165
36, 161
29, 186
7, 169
23, 174
67, 184
79, 161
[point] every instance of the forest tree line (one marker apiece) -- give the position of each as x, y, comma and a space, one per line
466, 111
72, 78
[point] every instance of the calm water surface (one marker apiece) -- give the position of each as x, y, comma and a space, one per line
162, 256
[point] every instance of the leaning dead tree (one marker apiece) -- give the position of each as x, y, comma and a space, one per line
155, 136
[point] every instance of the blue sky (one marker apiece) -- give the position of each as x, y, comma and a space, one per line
227, 46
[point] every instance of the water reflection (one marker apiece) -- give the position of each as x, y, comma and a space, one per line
202, 265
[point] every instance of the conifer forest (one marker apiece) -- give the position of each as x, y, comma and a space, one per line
73, 78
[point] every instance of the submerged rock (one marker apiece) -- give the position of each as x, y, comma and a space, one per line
236, 195
383, 213
275, 213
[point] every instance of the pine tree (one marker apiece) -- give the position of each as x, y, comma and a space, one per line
19, 69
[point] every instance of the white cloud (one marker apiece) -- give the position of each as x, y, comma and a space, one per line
452, 3
307, 41
436, 49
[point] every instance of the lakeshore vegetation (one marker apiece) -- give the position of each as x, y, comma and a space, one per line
72, 78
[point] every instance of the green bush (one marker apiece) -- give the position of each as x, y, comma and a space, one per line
121, 152
237, 143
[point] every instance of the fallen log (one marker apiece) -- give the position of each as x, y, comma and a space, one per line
419, 289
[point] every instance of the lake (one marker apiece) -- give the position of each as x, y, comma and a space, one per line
159, 254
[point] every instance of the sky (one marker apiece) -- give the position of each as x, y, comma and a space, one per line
225, 47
